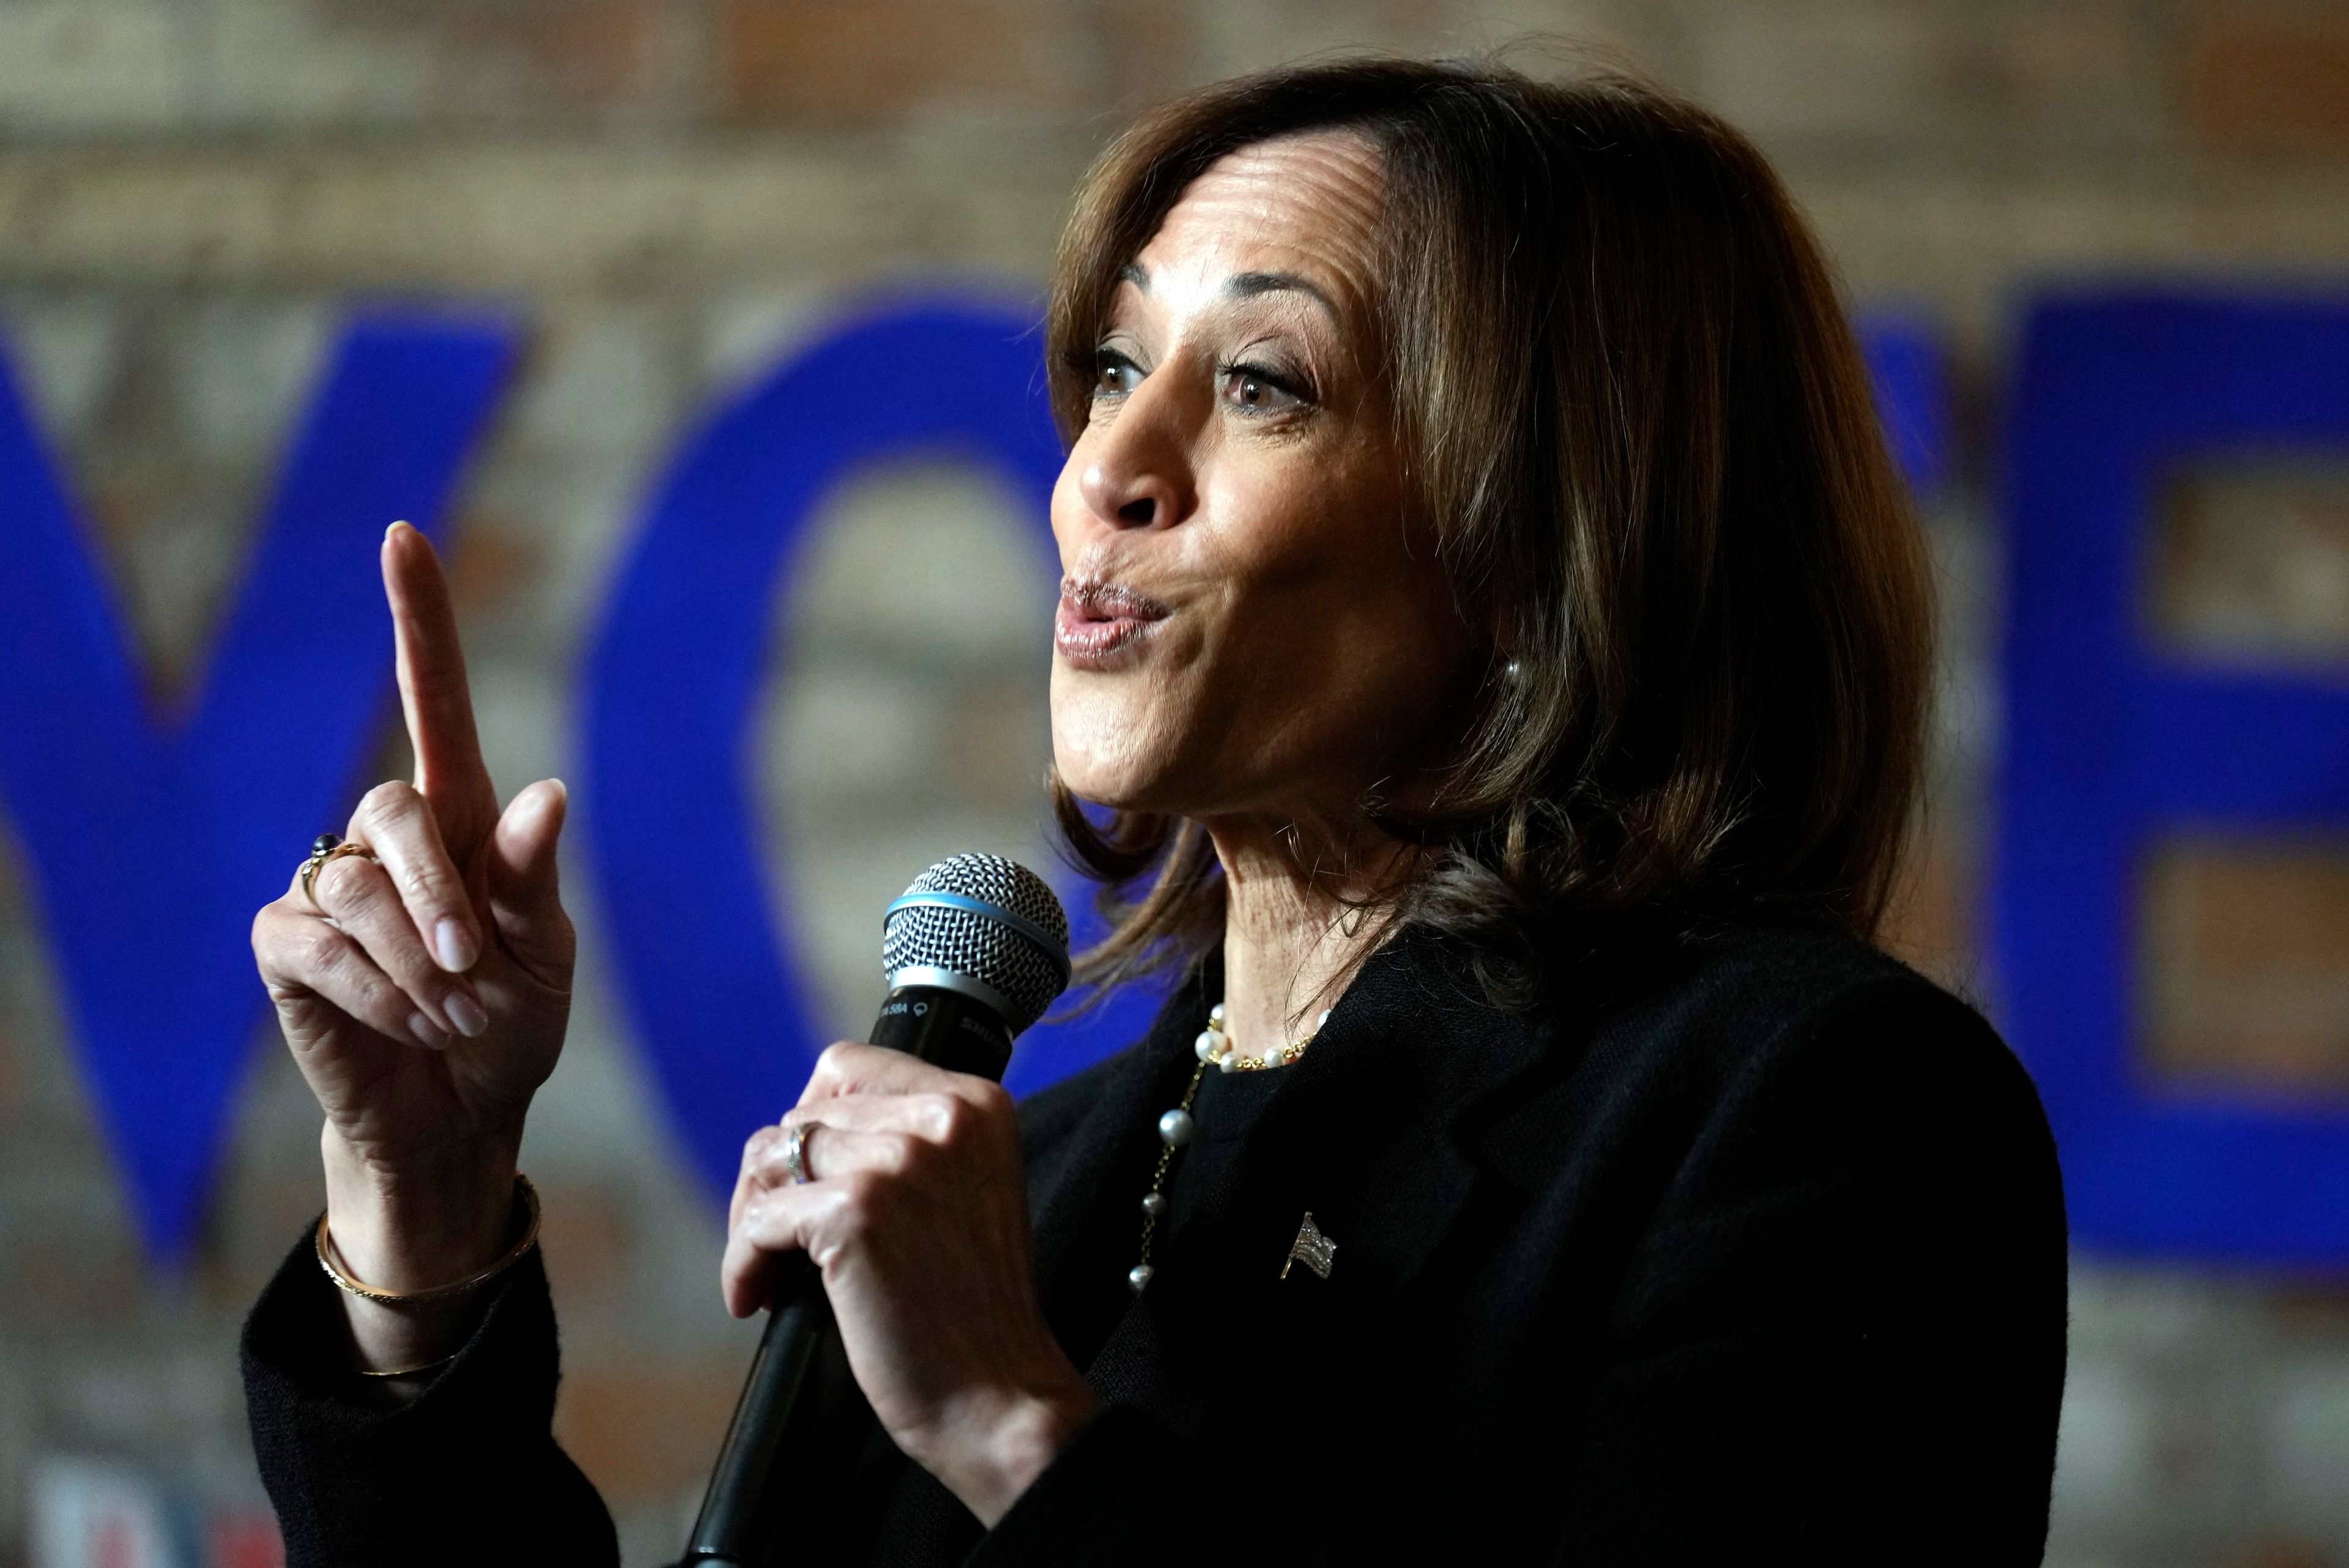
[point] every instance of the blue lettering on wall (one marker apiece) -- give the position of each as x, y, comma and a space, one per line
2109, 743
152, 838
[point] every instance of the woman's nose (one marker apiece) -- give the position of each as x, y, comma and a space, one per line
1139, 478
1142, 502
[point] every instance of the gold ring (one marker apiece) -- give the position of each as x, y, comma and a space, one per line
326, 848
795, 1144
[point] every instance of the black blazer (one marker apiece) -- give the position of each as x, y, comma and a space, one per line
1755, 1253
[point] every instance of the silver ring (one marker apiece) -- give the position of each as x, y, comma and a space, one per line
795, 1152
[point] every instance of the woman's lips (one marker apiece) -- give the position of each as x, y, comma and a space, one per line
1098, 622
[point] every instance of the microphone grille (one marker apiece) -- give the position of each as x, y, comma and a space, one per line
987, 917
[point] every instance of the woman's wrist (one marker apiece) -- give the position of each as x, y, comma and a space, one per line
412, 1227
1005, 1443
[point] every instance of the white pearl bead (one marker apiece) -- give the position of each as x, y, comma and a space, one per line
1229, 1062
1323, 1019
1210, 1045
1175, 1127
1215, 1015
1275, 1057
1154, 1204
1137, 1277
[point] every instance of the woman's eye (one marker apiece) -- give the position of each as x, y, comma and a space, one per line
1253, 391
1114, 375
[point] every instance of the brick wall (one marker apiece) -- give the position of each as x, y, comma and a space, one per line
674, 191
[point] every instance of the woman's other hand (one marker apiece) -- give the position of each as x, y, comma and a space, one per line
425, 992
917, 1212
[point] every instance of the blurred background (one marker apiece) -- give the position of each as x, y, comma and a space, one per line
670, 196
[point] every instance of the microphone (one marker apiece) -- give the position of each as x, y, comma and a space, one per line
973, 953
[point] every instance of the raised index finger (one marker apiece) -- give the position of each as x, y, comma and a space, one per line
433, 695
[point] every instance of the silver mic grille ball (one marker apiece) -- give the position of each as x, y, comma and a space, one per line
1028, 968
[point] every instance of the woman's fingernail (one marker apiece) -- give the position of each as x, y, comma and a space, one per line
456, 946
466, 1014
424, 1029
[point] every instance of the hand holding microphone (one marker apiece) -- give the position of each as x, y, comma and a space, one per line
910, 1198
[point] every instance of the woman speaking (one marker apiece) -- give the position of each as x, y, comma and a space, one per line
1496, 648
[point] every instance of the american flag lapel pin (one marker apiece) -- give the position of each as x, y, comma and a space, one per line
1311, 1248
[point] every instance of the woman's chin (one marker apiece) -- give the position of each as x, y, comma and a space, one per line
1101, 753
1101, 782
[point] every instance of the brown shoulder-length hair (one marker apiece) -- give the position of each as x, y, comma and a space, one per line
1631, 407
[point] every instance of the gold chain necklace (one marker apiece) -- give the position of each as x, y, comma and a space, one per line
1213, 1048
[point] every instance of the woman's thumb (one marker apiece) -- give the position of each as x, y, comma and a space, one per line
525, 897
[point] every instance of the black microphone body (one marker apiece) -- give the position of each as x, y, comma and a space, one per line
801, 1416
946, 1029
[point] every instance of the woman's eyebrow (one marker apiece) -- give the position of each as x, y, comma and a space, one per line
1244, 285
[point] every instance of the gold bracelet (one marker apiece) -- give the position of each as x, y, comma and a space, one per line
328, 1260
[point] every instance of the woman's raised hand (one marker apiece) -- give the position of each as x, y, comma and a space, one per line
425, 992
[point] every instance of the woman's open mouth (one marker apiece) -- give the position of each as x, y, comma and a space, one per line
1099, 621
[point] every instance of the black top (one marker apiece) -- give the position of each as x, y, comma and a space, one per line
1226, 1111
1755, 1251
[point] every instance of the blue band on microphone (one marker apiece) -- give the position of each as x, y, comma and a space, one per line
1049, 945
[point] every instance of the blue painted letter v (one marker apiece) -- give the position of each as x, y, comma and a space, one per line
152, 838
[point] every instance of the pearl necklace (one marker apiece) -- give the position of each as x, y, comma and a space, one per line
1213, 1048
